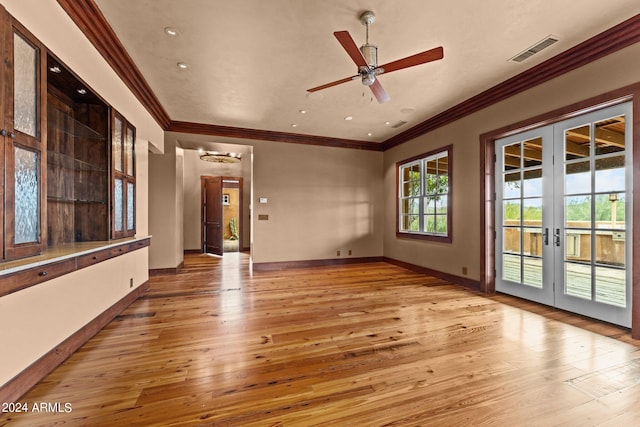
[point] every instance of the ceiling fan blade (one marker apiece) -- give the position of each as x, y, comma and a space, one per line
417, 59
337, 82
350, 46
379, 92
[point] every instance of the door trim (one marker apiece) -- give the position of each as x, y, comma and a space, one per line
240, 208
487, 183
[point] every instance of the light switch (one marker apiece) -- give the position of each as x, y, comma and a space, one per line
263, 200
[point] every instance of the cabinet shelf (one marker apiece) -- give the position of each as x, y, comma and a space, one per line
71, 200
72, 127
68, 162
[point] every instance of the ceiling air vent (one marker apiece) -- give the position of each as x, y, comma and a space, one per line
400, 123
529, 52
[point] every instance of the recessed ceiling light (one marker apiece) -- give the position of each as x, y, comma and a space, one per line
55, 69
387, 123
303, 111
182, 65
170, 31
82, 91
294, 125
348, 118
369, 134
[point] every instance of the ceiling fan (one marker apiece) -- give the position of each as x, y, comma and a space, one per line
366, 58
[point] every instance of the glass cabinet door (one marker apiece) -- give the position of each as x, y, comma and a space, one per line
23, 153
123, 172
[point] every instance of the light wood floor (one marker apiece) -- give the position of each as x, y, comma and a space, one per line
360, 345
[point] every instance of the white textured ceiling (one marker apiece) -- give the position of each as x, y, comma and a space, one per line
251, 61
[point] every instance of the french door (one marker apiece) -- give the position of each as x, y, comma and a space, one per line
563, 214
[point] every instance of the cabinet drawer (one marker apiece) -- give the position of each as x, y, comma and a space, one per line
35, 275
93, 258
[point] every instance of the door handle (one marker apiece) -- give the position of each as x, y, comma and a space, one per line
545, 237
556, 237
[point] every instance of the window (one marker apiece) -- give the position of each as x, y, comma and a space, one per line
424, 196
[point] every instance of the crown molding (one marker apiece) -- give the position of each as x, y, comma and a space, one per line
267, 135
89, 18
618, 37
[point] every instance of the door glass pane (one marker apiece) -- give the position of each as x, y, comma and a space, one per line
27, 189
511, 186
532, 271
577, 280
578, 178
532, 211
130, 206
533, 152
610, 135
579, 249
532, 241
117, 145
577, 142
511, 268
118, 208
611, 286
511, 239
128, 146
610, 248
610, 174
25, 81
610, 210
532, 184
577, 211
512, 156
511, 212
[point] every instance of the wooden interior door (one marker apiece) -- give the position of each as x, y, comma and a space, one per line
212, 215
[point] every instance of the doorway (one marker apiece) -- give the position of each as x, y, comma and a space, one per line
563, 214
221, 207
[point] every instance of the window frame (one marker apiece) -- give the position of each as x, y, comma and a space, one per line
420, 159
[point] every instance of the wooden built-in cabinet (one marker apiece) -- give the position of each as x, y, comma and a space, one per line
68, 157
77, 160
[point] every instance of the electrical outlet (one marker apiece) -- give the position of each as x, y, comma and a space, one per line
338, 253
131, 282
349, 251
464, 270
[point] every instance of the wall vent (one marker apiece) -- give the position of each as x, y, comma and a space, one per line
400, 123
529, 52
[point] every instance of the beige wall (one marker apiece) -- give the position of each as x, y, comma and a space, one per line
38, 318
165, 207
613, 72
320, 200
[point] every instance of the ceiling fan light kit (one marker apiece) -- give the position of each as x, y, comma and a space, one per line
217, 157
366, 59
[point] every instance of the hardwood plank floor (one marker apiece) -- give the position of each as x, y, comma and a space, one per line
355, 345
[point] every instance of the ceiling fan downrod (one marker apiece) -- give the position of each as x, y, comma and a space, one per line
369, 51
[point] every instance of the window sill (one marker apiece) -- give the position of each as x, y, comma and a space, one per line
422, 236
